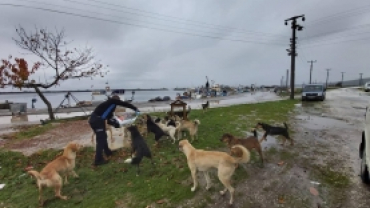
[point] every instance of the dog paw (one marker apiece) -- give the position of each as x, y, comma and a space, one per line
208, 187
63, 197
222, 192
128, 160
192, 189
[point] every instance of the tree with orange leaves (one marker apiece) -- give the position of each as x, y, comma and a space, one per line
54, 55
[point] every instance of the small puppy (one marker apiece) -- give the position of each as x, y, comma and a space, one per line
154, 128
139, 148
50, 175
205, 106
191, 126
275, 130
200, 160
250, 142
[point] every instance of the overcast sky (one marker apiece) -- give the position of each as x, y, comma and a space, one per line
243, 42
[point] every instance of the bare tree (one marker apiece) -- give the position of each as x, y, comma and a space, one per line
54, 55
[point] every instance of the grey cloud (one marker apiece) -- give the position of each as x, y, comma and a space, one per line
142, 57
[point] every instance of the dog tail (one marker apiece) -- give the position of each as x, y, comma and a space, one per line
286, 126
40, 180
196, 121
246, 156
35, 174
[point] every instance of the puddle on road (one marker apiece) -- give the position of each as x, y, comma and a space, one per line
317, 123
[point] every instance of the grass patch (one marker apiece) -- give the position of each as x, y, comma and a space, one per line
116, 184
332, 178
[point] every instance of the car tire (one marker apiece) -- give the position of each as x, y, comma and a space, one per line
365, 176
303, 99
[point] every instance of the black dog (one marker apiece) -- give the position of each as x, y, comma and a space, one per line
275, 130
205, 106
154, 128
139, 148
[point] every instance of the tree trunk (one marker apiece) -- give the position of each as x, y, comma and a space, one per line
47, 103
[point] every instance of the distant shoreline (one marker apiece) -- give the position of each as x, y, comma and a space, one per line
65, 91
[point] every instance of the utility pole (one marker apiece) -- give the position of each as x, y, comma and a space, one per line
287, 78
327, 77
311, 68
360, 79
282, 81
342, 78
292, 51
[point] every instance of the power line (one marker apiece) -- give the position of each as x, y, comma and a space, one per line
127, 18
335, 32
339, 15
165, 17
353, 40
136, 25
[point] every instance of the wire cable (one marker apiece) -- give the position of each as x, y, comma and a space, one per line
136, 25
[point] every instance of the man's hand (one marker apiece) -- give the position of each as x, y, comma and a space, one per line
137, 112
113, 122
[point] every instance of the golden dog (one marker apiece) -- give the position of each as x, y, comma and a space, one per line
50, 175
205, 160
191, 126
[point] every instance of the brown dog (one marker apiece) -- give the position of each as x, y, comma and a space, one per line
200, 160
50, 175
191, 126
250, 142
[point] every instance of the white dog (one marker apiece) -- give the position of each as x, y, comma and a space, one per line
170, 130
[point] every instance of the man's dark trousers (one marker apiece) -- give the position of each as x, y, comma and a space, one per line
98, 126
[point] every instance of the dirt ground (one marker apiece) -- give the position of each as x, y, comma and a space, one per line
320, 171
56, 138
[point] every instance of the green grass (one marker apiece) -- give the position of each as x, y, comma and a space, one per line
116, 184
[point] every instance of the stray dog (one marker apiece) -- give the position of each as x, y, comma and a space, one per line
191, 126
205, 106
275, 130
205, 160
139, 148
170, 127
250, 142
50, 175
154, 128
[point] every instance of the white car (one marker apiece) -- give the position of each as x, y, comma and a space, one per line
365, 149
367, 87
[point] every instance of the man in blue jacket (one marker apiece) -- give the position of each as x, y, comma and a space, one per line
104, 111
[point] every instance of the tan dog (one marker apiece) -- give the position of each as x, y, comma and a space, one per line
191, 126
50, 175
205, 160
250, 142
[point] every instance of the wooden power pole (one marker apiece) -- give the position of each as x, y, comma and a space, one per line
292, 51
